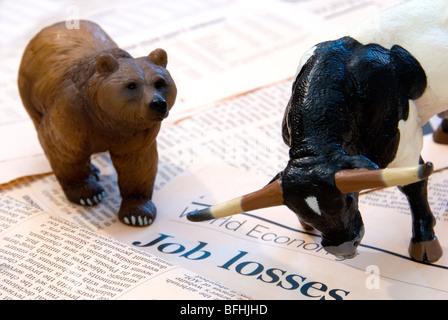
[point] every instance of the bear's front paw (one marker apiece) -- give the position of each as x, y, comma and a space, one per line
139, 213
95, 172
86, 193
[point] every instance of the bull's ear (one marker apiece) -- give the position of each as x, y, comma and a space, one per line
349, 181
158, 57
411, 76
269, 196
106, 63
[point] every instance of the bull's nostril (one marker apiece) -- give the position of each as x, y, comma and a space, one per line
356, 244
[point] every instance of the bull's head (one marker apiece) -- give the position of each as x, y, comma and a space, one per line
323, 200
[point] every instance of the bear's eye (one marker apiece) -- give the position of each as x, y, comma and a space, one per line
160, 83
132, 86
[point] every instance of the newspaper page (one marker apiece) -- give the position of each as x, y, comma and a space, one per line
266, 254
270, 256
46, 258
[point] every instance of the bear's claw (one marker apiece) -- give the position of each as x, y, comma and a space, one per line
96, 199
137, 221
137, 212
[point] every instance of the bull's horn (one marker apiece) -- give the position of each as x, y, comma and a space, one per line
348, 181
269, 196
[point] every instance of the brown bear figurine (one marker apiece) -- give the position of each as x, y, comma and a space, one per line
85, 95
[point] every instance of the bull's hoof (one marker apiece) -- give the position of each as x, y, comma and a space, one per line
440, 136
425, 251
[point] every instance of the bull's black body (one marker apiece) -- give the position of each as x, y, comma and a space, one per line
350, 97
344, 112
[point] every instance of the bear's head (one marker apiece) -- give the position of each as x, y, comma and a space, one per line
131, 92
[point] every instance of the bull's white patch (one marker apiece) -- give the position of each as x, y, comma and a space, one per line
411, 140
304, 59
420, 27
313, 204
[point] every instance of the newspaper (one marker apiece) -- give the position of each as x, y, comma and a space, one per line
266, 254
43, 257
214, 149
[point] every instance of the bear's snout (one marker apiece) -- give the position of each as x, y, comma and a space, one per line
159, 105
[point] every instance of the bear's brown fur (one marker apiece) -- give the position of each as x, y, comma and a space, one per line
85, 95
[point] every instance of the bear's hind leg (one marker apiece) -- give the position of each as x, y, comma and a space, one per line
80, 182
70, 163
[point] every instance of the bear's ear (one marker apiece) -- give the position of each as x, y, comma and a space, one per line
158, 57
106, 63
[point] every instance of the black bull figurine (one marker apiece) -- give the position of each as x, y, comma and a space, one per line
349, 125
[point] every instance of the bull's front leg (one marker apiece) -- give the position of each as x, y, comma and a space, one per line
424, 245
